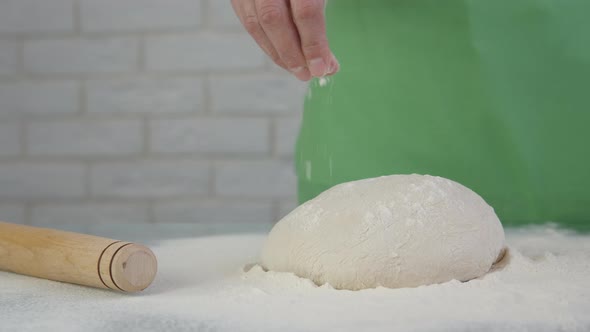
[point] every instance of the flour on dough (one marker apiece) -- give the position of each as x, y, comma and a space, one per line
392, 231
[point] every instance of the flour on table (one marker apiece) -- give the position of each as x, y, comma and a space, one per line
201, 286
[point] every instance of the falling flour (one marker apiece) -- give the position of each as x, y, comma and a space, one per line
202, 286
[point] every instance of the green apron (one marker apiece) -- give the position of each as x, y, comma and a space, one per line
492, 94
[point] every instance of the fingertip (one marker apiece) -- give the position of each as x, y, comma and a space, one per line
318, 67
334, 65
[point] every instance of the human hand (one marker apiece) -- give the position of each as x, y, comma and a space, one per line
292, 33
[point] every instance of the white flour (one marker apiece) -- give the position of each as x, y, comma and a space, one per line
201, 287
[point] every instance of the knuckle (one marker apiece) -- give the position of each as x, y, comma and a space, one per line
251, 24
315, 46
308, 10
270, 14
292, 62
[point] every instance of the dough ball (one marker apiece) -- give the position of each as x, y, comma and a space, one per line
392, 231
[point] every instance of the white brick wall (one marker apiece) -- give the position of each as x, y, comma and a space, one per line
30, 181
8, 57
256, 94
40, 97
205, 211
287, 130
221, 15
269, 179
10, 138
135, 111
286, 206
149, 179
85, 138
210, 135
36, 16
202, 52
145, 95
139, 15
81, 56
89, 213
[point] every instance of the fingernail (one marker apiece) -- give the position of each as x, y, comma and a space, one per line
317, 67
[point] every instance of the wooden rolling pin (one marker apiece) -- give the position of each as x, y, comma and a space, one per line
76, 258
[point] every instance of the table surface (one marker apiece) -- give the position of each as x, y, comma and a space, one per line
546, 287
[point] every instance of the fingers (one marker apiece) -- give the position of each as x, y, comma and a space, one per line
334, 65
275, 19
246, 11
308, 16
292, 33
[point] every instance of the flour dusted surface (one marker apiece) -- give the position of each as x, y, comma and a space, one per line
545, 287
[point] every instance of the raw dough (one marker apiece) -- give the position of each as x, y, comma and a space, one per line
392, 231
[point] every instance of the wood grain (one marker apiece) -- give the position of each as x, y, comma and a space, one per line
76, 258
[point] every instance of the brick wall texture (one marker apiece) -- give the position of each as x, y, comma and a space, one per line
141, 111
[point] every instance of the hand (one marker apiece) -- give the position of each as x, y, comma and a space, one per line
292, 33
